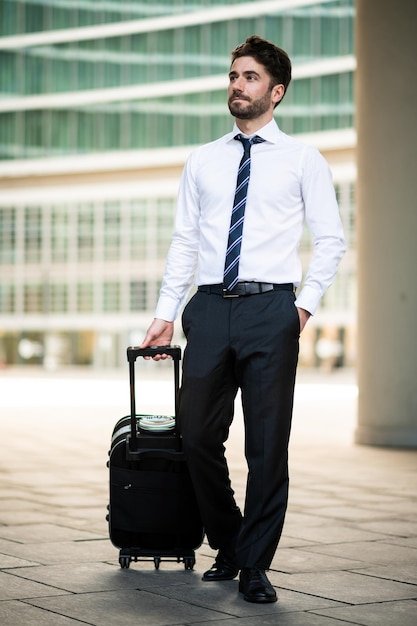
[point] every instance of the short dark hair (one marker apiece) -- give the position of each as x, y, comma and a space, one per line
275, 60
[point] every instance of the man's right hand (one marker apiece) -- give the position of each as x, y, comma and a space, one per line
159, 334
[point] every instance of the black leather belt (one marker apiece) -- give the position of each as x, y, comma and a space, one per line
245, 289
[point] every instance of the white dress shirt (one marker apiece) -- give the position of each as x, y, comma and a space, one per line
289, 181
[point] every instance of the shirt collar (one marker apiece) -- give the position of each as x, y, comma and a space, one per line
270, 132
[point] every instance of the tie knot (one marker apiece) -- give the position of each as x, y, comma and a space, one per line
248, 141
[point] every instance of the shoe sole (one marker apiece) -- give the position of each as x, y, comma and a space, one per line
258, 600
220, 578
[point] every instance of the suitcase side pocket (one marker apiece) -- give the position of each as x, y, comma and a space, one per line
143, 501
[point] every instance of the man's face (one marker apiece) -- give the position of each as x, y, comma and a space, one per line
250, 95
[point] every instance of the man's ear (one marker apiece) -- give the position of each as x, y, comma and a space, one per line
277, 93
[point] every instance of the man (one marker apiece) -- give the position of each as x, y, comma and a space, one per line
243, 324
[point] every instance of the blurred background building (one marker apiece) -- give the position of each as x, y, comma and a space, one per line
100, 104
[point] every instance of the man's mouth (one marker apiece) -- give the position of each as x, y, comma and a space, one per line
233, 98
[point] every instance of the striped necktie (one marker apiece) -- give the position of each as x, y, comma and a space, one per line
231, 266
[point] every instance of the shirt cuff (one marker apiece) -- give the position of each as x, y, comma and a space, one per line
166, 309
308, 299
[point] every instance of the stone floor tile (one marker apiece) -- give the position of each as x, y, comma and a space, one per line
302, 519
43, 533
14, 587
9, 492
46, 493
129, 607
375, 498
403, 507
402, 613
73, 499
222, 597
23, 518
18, 504
95, 514
330, 532
293, 542
353, 513
96, 577
284, 619
368, 552
302, 499
295, 560
352, 588
408, 542
34, 475
8, 562
62, 551
97, 527
401, 572
225, 597
15, 613
353, 496
397, 527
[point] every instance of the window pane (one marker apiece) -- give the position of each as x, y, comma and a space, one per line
138, 300
58, 298
85, 298
33, 234
33, 301
111, 296
7, 235
59, 234
137, 230
86, 224
111, 232
7, 298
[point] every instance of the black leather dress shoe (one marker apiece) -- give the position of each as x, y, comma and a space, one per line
223, 568
255, 586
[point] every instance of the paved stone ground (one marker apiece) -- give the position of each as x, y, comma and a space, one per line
348, 554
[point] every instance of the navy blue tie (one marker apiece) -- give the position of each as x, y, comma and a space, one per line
231, 266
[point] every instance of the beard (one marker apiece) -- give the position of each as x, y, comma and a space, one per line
252, 110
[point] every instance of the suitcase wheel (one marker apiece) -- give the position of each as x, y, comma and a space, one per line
189, 562
124, 562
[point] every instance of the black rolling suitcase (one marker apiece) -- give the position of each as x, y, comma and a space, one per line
153, 512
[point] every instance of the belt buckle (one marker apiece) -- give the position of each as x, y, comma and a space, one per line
227, 294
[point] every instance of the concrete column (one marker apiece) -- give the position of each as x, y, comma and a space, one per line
386, 88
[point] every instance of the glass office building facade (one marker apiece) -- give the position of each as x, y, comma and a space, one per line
101, 102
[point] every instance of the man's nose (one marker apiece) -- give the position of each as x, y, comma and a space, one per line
238, 85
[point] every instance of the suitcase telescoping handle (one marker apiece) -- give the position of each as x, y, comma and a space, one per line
132, 354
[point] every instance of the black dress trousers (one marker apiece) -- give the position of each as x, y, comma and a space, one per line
251, 343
